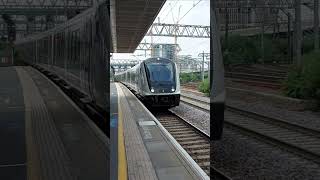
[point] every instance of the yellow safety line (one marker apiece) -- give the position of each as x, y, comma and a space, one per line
122, 161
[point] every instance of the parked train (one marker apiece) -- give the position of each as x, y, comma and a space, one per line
76, 52
155, 81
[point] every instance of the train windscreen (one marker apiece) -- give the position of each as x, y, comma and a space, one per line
161, 75
160, 72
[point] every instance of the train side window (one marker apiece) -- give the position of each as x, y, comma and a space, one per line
68, 47
73, 47
141, 73
79, 46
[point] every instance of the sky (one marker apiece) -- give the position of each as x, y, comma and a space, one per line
198, 15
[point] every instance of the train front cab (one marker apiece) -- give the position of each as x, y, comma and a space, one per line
163, 83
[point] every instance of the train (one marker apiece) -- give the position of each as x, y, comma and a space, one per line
76, 52
155, 81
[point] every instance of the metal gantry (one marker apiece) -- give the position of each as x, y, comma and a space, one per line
186, 63
180, 30
148, 46
123, 64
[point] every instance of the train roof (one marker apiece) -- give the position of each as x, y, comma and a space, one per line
146, 60
156, 58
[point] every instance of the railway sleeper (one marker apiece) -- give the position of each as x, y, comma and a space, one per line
202, 146
202, 157
169, 121
177, 132
176, 127
190, 138
192, 142
168, 124
199, 151
183, 135
204, 164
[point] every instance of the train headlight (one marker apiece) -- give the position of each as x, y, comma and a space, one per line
152, 90
172, 89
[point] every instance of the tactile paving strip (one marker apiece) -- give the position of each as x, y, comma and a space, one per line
47, 158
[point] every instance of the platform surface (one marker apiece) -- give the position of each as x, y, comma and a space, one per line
12, 126
149, 152
44, 135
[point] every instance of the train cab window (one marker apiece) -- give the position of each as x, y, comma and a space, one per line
160, 72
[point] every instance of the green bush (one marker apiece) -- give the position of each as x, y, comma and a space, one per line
304, 83
205, 87
268, 49
184, 78
280, 50
194, 77
189, 77
247, 50
240, 50
307, 44
2, 45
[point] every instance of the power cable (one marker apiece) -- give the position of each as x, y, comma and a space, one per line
189, 11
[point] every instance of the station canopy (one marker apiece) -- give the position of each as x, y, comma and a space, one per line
130, 21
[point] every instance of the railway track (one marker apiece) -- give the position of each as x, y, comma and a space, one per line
192, 139
254, 76
290, 137
253, 79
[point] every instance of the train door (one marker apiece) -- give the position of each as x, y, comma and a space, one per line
139, 79
90, 62
49, 51
82, 56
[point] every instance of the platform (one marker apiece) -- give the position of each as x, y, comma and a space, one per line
145, 149
43, 134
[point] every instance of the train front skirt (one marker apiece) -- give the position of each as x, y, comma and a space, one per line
162, 100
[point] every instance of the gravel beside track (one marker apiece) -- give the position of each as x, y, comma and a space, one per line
294, 138
244, 154
195, 116
308, 119
243, 157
